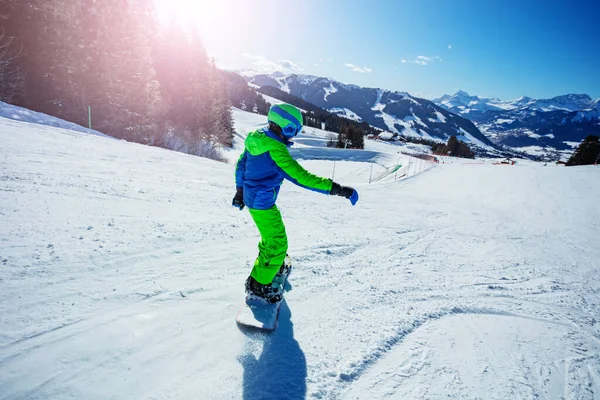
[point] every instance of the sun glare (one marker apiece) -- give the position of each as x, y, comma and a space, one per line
199, 12
226, 27
218, 21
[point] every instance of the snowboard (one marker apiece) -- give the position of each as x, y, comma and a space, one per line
259, 314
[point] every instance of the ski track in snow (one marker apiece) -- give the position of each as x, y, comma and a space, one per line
122, 269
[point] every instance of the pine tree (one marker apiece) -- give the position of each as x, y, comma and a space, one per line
587, 153
11, 77
342, 137
201, 99
453, 146
196, 105
355, 135
173, 66
80, 53
113, 72
134, 73
220, 121
34, 33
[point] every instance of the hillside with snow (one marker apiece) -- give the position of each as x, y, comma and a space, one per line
123, 266
10, 111
396, 112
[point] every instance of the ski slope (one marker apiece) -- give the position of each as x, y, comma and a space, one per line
122, 268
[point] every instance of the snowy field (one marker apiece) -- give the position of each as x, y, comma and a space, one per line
122, 268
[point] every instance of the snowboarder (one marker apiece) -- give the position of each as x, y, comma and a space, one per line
260, 171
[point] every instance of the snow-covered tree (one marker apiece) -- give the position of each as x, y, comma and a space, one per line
11, 77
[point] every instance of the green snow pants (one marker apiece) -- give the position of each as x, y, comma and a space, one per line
273, 246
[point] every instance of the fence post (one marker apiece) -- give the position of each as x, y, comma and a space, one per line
90, 116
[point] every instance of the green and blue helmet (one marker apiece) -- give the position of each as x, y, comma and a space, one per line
287, 117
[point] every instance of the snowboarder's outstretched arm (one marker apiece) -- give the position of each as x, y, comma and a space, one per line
295, 173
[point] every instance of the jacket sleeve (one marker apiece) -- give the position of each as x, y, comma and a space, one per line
295, 173
240, 170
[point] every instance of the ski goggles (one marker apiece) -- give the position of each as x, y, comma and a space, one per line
291, 130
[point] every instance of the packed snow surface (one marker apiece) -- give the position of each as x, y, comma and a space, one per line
122, 269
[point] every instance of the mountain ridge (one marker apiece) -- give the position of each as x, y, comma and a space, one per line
540, 125
393, 111
566, 102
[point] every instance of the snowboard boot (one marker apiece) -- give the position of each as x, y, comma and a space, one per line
281, 277
269, 293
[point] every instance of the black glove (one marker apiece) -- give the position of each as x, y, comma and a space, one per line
238, 199
344, 191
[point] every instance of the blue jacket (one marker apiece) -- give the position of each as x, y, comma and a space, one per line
263, 165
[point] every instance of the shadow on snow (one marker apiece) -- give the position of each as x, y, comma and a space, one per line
280, 370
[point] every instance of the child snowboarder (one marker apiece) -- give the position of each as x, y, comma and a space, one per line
260, 171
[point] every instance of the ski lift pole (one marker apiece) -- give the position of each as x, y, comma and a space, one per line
90, 116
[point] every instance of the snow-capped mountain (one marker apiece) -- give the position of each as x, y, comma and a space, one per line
472, 106
464, 104
396, 112
559, 123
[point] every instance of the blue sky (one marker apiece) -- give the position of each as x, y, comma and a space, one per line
490, 48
